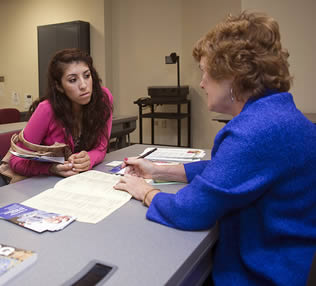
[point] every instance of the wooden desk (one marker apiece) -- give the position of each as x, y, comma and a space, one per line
164, 115
225, 117
122, 126
145, 252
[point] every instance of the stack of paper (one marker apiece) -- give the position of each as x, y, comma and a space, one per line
40, 158
13, 261
34, 219
88, 196
175, 154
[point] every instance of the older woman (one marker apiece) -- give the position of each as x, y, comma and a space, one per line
260, 183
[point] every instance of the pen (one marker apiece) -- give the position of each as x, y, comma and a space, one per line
147, 153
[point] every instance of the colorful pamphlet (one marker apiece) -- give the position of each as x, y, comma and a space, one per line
13, 261
40, 158
35, 219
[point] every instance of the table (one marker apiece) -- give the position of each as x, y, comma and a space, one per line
146, 253
164, 115
122, 126
10, 127
224, 118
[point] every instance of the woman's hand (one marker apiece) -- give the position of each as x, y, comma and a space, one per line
64, 170
136, 186
80, 161
139, 167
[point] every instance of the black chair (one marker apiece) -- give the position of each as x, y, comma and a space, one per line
9, 115
311, 281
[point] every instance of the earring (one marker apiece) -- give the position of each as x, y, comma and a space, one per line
231, 94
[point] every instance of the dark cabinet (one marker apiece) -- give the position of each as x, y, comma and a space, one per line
52, 38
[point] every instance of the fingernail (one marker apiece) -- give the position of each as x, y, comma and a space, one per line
70, 165
125, 159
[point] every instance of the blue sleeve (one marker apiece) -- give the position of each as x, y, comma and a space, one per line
238, 174
192, 169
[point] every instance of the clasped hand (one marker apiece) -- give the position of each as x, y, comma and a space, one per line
75, 164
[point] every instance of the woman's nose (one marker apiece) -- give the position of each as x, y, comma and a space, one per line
83, 83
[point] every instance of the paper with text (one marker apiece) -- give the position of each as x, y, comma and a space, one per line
175, 154
89, 196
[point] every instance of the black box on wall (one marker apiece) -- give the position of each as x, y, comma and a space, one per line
54, 37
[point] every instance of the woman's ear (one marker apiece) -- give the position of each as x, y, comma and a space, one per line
59, 88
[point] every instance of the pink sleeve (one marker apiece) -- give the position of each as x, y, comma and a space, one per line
35, 130
97, 154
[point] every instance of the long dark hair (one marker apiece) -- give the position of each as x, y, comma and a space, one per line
95, 114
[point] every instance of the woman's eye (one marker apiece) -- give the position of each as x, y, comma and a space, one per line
72, 80
87, 75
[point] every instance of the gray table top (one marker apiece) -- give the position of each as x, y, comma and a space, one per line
146, 253
16, 126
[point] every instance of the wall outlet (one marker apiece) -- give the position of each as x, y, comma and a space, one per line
15, 98
1, 89
28, 100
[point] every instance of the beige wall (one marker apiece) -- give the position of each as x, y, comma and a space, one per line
18, 50
297, 24
198, 18
144, 32
129, 40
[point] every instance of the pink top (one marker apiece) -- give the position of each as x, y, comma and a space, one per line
42, 128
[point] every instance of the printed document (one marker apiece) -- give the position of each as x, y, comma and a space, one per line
175, 154
88, 196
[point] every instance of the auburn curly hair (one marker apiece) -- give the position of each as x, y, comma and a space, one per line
95, 114
246, 48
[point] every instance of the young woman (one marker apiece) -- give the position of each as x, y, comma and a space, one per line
260, 183
76, 110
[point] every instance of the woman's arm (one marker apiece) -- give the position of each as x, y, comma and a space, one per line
34, 132
170, 173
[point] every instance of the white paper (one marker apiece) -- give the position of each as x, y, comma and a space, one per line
114, 163
88, 196
175, 154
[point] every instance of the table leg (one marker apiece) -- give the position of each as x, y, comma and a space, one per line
152, 126
179, 125
140, 112
189, 123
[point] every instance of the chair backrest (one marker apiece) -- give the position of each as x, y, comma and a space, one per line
311, 281
9, 115
5, 142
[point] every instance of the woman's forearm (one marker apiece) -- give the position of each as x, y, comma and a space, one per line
170, 173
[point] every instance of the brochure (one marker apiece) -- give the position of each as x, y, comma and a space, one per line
39, 158
35, 219
13, 261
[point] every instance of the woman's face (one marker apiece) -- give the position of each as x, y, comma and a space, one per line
218, 93
76, 83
